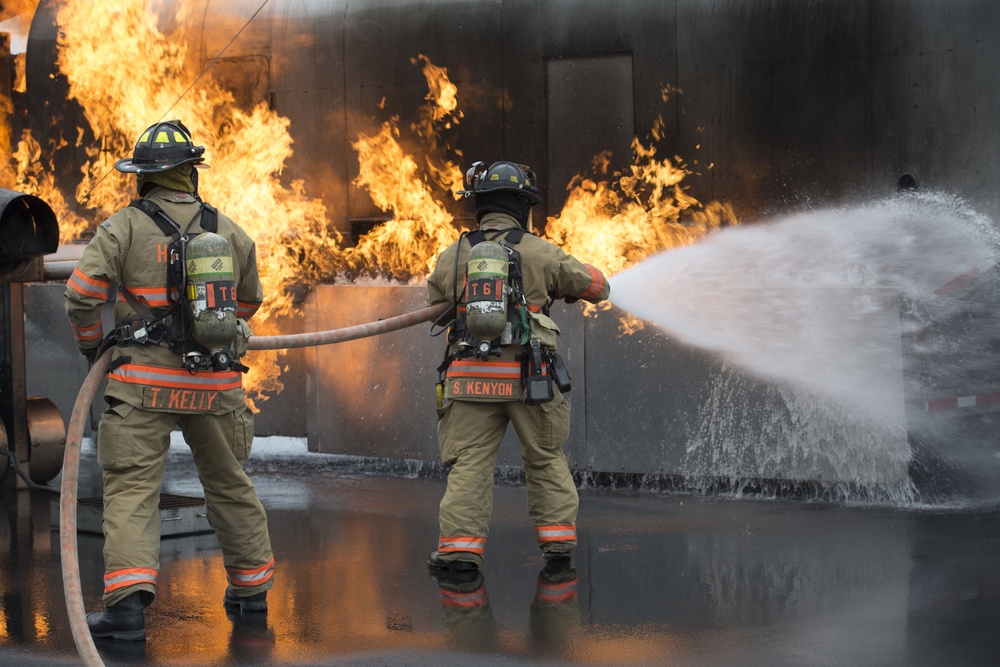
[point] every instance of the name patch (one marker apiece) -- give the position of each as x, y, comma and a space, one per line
179, 400
492, 389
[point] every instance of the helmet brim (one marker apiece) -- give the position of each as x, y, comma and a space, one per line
127, 165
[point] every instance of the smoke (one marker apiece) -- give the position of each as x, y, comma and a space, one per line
876, 309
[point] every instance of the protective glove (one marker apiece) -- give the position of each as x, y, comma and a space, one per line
555, 296
243, 333
90, 354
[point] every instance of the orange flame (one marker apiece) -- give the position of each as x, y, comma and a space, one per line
409, 243
249, 148
15, 21
421, 224
609, 221
615, 224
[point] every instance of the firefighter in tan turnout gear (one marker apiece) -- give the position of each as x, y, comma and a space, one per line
187, 280
501, 367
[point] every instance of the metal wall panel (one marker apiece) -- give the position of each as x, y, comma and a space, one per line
772, 105
936, 95
384, 78
374, 396
576, 134
55, 368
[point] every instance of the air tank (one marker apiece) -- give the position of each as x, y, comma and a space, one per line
486, 291
211, 290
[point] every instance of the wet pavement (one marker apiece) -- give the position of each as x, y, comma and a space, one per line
658, 579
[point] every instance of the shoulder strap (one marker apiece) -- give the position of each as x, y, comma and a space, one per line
476, 237
162, 220
514, 236
209, 218
140, 308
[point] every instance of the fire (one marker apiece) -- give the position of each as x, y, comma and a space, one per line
421, 224
614, 224
441, 111
247, 149
409, 243
126, 73
7, 178
15, 21
35, 175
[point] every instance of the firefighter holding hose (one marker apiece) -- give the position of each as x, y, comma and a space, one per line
187, 280
502, 366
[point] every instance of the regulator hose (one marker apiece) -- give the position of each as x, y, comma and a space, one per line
74, 437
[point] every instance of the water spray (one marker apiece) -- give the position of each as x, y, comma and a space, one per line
858, 316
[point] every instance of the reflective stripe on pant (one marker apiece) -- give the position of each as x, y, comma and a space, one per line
252, 577
132, 449
452, 544
469, 436
129, 577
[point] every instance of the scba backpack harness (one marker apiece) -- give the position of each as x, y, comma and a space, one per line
200, 321
496, 315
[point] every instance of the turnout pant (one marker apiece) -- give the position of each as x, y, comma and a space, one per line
132, 447
469, 436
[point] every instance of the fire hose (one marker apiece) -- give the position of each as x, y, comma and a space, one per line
72, 590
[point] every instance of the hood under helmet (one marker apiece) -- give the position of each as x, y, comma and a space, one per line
505, 187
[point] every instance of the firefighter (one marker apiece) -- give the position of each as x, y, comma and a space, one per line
502, 366
161, 377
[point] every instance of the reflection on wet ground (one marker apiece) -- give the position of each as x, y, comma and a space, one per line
657, 580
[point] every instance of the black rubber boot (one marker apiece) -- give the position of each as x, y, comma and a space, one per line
123, 621
435, 562
461, 581
254, 603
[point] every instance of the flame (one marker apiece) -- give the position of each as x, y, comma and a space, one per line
614, 224
441, 111
15, 21
609, 221
7, 176
248, 149
409, 243
629, 324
